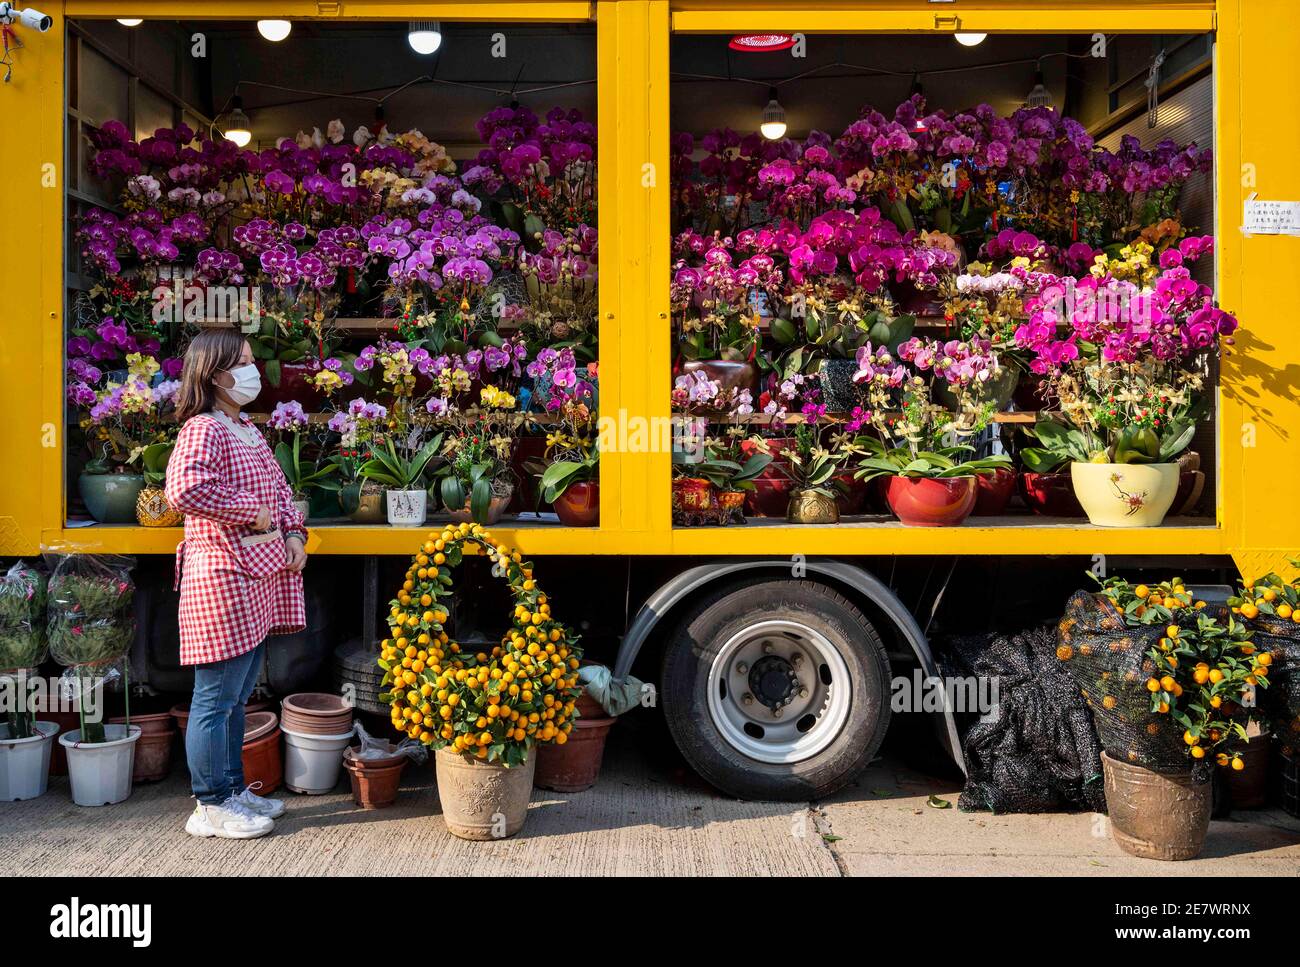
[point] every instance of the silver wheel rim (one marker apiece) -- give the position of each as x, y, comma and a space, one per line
779, 692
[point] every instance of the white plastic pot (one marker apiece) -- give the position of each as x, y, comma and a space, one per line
407, 508
25, 763
100, 772
312, 762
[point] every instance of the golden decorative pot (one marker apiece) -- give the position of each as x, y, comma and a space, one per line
152, 509
810, 507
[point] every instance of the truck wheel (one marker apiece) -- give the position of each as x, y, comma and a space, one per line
777, 689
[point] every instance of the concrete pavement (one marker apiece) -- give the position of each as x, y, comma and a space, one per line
644, 817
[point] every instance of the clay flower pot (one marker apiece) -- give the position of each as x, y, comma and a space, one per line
1125, 494
579, 505
993, 491
483, 800
1157, 815
153, 751
374, 781
1049, 494
931, 501
574, 766
261, 755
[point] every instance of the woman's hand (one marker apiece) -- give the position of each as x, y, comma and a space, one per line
263, 521
297, 554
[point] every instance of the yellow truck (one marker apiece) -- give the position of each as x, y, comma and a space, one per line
777, 640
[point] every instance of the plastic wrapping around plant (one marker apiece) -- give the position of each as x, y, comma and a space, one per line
22, 640
1167, 678
91, 626
1037, 751
494, 707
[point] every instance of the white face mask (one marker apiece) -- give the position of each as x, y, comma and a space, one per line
248, 383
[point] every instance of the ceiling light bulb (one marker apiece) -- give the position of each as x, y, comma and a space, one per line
773, 124
424, 36
1039, 95
234, 124
130, 21
970, 40
274, 30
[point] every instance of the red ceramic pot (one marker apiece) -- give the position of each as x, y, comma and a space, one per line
293, 387
769, 498
851, 495
693, 495
993, 491
579, 505
1049, 494
931, 501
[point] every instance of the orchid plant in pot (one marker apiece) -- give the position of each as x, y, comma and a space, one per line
401, 470
476, 481
360, 428
703, 465
570, 473
305, 475
1126, 351
25, 742
930, 478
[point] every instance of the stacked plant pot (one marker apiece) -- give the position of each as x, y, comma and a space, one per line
317, 727
263, 761
374, 780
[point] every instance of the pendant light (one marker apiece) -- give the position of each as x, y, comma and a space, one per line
234, 124
424, 36
773, 124
130, 21
274, 30
1039, 95
970, 40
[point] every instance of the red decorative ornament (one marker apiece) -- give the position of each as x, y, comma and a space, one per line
760, 43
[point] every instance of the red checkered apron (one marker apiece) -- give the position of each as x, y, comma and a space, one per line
234, 588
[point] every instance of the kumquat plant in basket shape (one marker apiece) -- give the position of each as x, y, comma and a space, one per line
492, 706
1204, 669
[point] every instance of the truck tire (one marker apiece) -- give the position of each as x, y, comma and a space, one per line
776, 689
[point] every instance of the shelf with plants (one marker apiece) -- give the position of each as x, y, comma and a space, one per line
426, 331
934, 316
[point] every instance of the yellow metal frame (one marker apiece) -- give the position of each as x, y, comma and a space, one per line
1256, 41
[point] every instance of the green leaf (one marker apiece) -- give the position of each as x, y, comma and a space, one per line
936, 803
272, 369
480, 500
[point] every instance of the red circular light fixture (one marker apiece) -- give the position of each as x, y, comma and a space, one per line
760, 43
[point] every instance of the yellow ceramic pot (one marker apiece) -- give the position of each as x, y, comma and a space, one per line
152, 509
1125, 494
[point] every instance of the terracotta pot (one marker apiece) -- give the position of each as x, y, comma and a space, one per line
993, 491
574, 766
1157, 815
153, 752
1049, 494
181, 713
931, 501
374, 781
482, 800
810, 507
152, 510
731, 374
579, 505
293, 388
263, 761
258, 724
1248, 786
1125, 494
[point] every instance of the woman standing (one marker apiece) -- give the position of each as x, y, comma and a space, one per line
239, 571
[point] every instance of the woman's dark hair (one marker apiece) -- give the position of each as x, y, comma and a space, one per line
210, 352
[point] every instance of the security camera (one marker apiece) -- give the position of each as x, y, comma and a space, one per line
29, 17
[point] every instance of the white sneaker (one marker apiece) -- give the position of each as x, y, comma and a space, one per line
231, 820
271, 808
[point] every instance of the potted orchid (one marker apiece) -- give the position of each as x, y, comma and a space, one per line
1125, 351
305, 476
570, 472
930, 479
360, 427
476, 481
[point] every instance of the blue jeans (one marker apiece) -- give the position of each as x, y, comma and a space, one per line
214, 738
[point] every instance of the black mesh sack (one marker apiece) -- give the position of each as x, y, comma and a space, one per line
1037, 750
1280, 701
1110, 663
